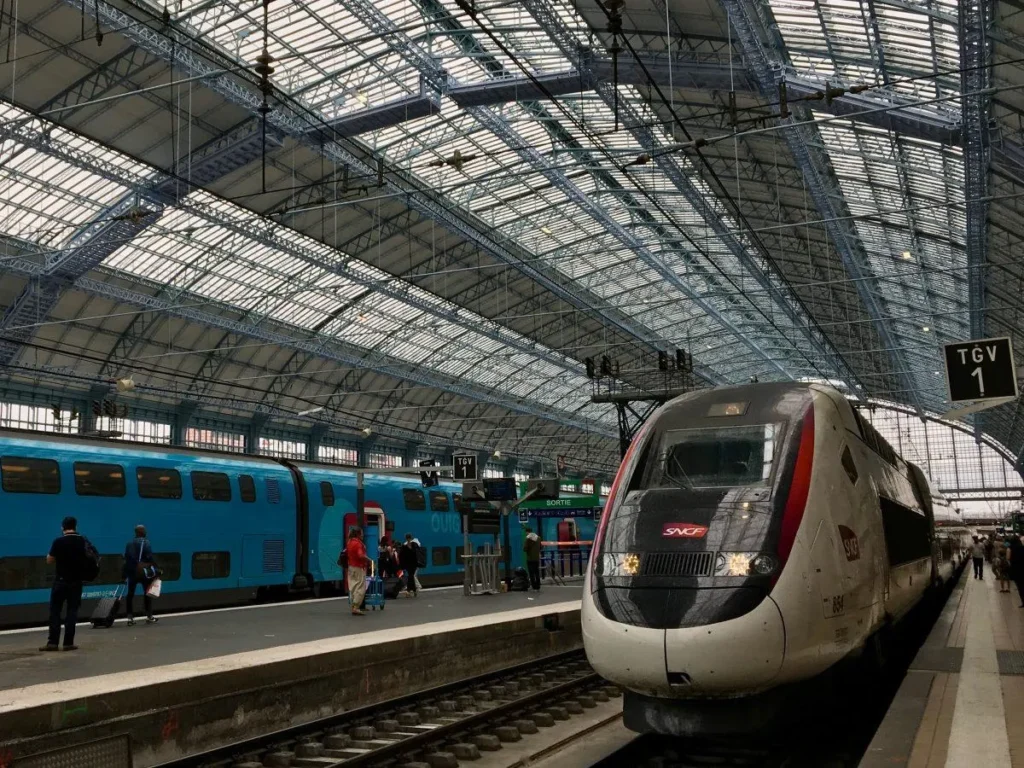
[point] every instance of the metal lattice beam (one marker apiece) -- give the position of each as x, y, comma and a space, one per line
805, 142
242, 89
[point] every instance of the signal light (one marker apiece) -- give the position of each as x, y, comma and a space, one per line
606, 365
591, 368
662, 361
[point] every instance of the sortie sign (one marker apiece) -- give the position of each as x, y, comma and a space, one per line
566, 502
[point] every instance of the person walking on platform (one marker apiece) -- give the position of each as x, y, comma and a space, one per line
978, 556
531, 548
1001, 569
68, 553
421, 562
409, 558
139, 569
358, 563
1017, 565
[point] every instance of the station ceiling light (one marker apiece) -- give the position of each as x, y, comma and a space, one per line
925, 328
907, 255
546, 230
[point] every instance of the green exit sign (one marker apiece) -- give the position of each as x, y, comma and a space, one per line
566, 502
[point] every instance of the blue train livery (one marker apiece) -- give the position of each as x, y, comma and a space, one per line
225, 528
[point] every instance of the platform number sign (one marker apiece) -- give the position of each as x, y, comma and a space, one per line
465, 467
983, 369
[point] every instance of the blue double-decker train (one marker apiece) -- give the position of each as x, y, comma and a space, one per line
225, 528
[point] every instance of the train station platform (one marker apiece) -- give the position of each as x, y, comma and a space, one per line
960, 702
196, 681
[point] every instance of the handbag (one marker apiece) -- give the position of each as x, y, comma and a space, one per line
145, 571
153, 588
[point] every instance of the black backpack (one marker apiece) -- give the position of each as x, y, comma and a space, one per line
90, 562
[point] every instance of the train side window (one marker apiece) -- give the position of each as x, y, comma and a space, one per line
441, 556
414, 500
849, 465
211, 565
462, 507
247, 488
327, 494
459, 552
25, 573
21, 475
439, 501
156, 483
169, 564
211, 486
99, 479
906, 532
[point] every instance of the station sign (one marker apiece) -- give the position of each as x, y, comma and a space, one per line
562, 505
979, 370
465, 467
559, 513
481, 521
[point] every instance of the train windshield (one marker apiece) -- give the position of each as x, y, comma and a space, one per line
715, 457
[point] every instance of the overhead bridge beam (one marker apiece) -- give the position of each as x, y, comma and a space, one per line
936, 123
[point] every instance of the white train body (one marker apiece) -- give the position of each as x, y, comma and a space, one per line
755, 536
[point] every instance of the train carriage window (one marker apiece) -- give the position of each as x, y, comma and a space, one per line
211, 486
462, 507
439, 501
441, 556
157, 483
327, 494
459, 552
849, 465
414, 500
25, 573
169, 564
211, 565
247, 488
99, 479
906, 532
21, 475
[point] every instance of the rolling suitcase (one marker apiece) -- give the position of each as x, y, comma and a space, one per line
392, 587
374, 593
106, 610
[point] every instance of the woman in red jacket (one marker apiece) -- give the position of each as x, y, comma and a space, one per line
358, 563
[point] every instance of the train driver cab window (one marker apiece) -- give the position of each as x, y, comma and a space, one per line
414, 500
99, 479
717, 457
157, 483
327, 494
22, 475
247, 488
211, 486
849, 465
439, 501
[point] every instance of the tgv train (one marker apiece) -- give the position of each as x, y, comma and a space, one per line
754, 537
225, 527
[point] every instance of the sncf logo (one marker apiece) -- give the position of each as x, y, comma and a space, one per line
683, 530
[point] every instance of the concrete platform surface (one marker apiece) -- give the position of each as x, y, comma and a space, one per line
207, 634
959, 704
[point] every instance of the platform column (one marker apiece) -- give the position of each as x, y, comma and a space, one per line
182, 416
252, 434
316, 436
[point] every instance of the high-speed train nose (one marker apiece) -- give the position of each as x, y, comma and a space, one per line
745, 653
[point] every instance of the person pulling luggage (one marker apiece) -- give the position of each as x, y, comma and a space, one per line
409, 559
139, 569
356, 565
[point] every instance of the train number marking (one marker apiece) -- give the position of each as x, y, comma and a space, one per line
834, 606
684, 530
851, 544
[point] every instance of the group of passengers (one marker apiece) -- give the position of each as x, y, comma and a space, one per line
72, 555
394, 562
1007, 559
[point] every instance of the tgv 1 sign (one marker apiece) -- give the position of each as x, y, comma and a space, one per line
981, 370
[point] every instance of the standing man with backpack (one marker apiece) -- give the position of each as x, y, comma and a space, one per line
409, 559
77, 561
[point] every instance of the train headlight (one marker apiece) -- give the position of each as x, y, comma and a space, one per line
744, 564
620, 564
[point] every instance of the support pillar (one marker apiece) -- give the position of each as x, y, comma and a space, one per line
252, 434
182, 416
316, 436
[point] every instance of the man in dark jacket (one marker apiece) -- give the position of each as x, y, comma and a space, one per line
138, 556
531, 548
408, 558
68, 554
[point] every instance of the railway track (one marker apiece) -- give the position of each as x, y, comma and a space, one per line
437, 728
